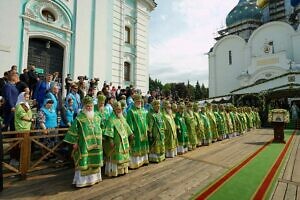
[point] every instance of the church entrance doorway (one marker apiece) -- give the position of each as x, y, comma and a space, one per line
47, 56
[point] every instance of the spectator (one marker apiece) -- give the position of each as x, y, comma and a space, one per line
108, 106
295, 111
93, 93
21, 85
13, 69
47, 119
118, 93
23, 114
53, 95
24, 76
33, 79
76, 99
1, 110
129, 100
41, 90
10, 95
3, 81
68, 82
67, 114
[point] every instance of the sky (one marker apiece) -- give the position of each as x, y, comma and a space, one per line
181, 34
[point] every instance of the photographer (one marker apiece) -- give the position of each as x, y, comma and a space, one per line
68, 81
82, 87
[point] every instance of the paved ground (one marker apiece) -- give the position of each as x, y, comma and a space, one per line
177, 178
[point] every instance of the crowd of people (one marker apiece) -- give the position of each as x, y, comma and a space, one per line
113, 127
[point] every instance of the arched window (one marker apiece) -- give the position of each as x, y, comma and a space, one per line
126, 71
230, 57
49, 16
127, 34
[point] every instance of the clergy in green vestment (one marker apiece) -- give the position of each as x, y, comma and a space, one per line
244, 118
213, 122
199, 125
222, 113
220, 122
238, 124
182, 136
101, 111
156, 133
139, 147
249, 118
207, 127
229, 122
174, 109
233, 120
85, 135
191, 124
170, 130
258, 121
117, 134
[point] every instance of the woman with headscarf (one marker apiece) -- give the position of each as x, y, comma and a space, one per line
23, 113
47, 119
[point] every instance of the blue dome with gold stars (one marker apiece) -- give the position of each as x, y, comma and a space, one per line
245, 10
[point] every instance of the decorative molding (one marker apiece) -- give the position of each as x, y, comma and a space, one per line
34, 8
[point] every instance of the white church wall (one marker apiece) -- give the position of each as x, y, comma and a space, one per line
82, 43
280, 33
142, 47
9, 34
226, 74
296, 45
117, 42
103, 40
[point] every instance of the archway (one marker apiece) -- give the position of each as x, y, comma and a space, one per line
46, 55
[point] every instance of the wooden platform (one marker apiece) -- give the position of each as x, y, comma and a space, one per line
177, 178
288, 183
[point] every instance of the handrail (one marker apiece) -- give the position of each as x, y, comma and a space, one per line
25, 139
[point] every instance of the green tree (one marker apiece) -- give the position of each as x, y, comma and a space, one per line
155, 84
204, 91
198, 92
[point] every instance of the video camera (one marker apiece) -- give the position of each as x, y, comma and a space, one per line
94, 82
82, 78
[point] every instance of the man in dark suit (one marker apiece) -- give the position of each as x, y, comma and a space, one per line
24, 77
10, 95
33, 78
3, 81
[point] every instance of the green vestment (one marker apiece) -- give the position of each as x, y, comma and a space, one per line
182, 135
190, 122
88, 157
207, 127
104, 116
117, 132
213, 124
136, 118
199, 127
220, 124
156, 129
170, 132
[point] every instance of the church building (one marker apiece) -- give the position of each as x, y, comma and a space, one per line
105, 39
258, 51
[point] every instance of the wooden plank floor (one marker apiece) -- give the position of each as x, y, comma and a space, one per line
177, 178
288, 183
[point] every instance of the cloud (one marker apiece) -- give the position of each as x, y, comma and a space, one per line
180, 56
